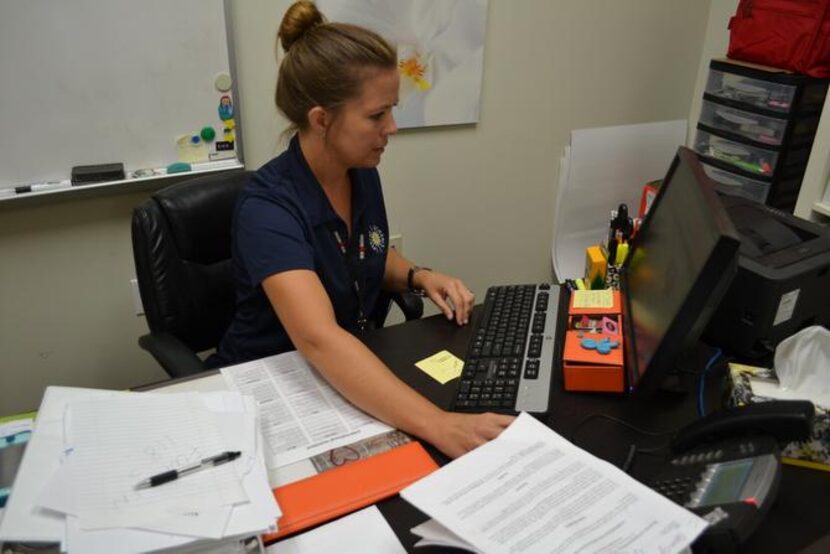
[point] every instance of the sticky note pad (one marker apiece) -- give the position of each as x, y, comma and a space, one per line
593, 298
442, 367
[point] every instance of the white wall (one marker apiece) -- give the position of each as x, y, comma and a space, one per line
715, 43
475, 201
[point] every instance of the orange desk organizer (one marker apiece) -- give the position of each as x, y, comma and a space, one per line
342, 490
586, 369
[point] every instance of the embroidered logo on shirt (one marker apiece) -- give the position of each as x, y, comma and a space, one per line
376, 239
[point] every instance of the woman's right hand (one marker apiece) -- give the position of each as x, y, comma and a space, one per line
456, 434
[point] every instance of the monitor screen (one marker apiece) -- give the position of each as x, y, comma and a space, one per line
680, 264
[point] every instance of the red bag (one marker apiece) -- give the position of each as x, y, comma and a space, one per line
788, 34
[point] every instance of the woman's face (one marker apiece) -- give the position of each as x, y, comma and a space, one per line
361, 128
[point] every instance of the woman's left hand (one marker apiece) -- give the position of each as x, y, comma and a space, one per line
450, 294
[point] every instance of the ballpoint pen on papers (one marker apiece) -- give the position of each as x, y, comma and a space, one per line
174, 474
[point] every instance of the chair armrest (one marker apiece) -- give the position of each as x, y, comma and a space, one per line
411, 304
174, 357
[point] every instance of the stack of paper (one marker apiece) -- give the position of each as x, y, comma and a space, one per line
91, 448
532, 491
14, 434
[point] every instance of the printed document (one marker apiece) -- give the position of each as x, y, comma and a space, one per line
301, 414
532, 491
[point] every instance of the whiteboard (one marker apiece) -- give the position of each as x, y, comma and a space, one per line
91, 82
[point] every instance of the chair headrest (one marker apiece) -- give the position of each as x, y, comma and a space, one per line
199, 212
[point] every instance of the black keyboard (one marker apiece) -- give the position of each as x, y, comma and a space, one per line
510, 356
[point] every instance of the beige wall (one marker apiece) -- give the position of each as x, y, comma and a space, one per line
471, 200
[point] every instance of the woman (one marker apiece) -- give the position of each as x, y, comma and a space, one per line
310, 247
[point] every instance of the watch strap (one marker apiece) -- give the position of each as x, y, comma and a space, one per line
410, 276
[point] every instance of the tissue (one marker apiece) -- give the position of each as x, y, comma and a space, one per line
802, 363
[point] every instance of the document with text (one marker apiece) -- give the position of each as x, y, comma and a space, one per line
532, 491
301, 414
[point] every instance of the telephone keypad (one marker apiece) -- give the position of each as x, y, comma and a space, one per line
676, 489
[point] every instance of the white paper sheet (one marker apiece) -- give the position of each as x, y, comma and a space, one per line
532, 491
435, 534
363, 531
113, 444
25, 521
259, 515
601, 169
301, 414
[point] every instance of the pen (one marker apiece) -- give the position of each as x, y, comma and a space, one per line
612, 252
174, 474
37, 187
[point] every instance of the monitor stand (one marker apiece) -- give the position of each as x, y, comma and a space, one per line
683, 378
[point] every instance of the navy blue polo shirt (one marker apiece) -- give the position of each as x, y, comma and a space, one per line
284, 221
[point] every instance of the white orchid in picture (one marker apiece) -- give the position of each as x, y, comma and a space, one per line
440, 53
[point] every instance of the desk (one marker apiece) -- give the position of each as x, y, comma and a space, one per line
797, 519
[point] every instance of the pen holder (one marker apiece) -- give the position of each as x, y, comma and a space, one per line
593, 357
612, 277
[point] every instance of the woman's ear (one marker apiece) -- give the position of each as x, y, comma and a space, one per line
318, 120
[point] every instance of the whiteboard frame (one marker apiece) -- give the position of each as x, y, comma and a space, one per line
158, 181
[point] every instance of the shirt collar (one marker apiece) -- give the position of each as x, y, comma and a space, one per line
317, 204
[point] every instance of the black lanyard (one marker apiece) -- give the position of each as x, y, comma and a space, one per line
355, 271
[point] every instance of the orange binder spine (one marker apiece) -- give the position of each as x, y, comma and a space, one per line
342, 490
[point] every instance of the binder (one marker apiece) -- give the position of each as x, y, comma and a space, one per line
342, 490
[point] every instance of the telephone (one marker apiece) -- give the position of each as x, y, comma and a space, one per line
726, 467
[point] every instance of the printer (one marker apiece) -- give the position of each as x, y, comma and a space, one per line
782, 284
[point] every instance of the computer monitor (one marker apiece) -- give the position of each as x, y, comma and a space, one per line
680, 264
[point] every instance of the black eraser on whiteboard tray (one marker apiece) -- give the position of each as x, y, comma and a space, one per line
87, 174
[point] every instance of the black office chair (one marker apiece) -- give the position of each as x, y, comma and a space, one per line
182, 251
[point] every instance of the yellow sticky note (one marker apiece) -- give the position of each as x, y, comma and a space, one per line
593, 298
442, 367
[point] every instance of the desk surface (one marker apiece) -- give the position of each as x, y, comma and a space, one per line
797, 520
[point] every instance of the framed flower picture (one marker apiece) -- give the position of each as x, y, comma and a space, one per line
440, 53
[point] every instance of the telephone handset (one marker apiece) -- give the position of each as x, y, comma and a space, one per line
725, 467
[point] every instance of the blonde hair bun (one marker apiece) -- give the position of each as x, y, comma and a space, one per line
300, 18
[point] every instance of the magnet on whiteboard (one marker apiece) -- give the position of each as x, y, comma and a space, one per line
223, 82
225, 108
195, 139
178, 167
208, 133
